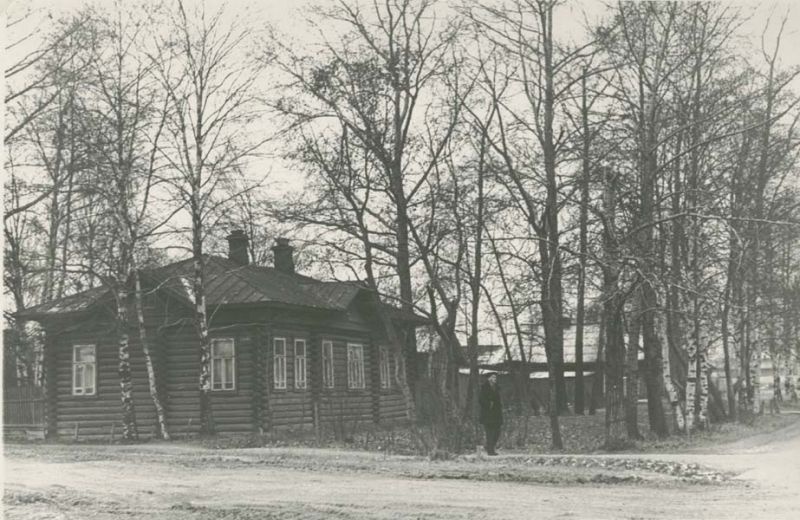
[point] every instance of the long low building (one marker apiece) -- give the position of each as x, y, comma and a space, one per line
287, 351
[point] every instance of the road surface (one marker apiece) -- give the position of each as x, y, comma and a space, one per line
760, 479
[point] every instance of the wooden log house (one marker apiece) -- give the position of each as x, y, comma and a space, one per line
288, 352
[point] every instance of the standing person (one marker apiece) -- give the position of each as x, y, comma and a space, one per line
491, 412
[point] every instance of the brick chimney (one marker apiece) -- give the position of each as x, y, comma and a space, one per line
237, 247
284, 256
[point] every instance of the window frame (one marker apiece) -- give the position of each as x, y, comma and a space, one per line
214, 342
82, 364
275, 365
298, 383
351, 384
385, 367
328, 376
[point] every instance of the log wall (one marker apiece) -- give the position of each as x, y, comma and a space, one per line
98, 416
254, 405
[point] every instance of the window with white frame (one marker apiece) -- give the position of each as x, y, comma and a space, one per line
327, 364
279, 362
84, 370
223, 364
385, 367
355, 366
300, 363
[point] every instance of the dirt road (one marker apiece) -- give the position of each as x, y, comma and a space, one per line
752, 479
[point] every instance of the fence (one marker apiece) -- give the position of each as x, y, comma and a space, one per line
23, 406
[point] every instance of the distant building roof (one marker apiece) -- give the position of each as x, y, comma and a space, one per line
493, 355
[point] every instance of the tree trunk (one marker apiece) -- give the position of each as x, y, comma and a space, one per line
755, 372
632, 371
161, 419
615, 430
691, 378
702, 375
551, 262
129, 428
612, 317
582, 249
598, 385
726, 312
476, 282
672, 392
201, 321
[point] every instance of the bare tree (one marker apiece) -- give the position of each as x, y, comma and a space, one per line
207, 67
126, 121
372, 86
37, 78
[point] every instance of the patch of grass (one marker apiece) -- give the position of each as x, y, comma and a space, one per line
24, 497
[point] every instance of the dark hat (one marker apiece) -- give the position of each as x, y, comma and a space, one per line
487, 375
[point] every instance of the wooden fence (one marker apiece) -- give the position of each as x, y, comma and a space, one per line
23, 406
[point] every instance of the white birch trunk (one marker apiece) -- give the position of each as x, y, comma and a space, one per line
702, 413
669, 385
691, 382
148, 359
129, 428
201, 322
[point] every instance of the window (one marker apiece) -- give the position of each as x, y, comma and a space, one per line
84, 370
299, 363
279, 362
355, 366
385, 367
327, 364
223, 364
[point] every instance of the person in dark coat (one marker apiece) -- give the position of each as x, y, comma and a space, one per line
491, 412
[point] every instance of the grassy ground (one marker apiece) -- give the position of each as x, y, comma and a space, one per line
581, 434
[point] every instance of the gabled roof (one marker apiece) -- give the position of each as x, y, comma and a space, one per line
337, 295
226, 283
77, 302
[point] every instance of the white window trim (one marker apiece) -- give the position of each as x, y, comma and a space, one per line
385, 367
82, 390
298, 383
278, 383
233, 358
354, 385
327, 355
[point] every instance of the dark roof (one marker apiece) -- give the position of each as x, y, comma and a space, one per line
74, 303
337, 295
226, 283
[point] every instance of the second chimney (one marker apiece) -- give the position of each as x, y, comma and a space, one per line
238, 244
284, 256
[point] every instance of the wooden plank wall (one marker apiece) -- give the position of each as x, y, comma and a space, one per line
289, 408
181, 360
232, 410
254, 405
294, 408
98, 416
393, 406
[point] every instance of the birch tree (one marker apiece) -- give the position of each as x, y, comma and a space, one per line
207, 65
127, 120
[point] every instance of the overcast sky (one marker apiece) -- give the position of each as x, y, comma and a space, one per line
288, 17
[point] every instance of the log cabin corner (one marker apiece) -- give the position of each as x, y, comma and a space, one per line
288, 352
